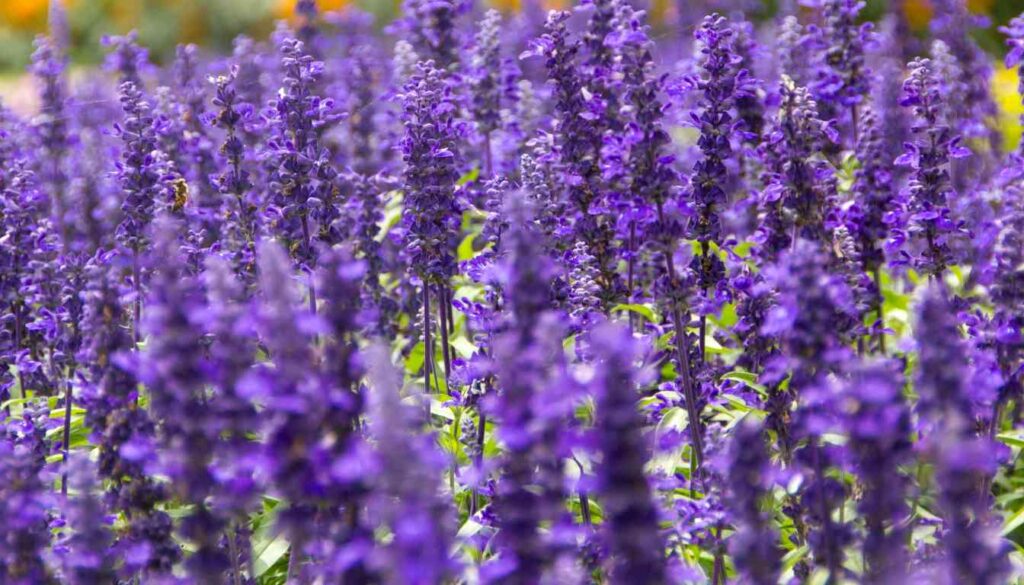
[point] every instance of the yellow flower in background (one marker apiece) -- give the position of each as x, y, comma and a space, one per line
286, 8
1004, 88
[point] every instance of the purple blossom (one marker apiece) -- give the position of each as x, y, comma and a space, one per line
172, 370
878, 421
25, 534
796, 198
49, 65
88, 560
431, 26
842, 76
630, 528
707, 191
430, 151
754, 546
927, 231
301, 182
235, 182
142, 170
486, 67
409, 498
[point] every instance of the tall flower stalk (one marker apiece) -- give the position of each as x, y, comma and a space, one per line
430, 151
925, 235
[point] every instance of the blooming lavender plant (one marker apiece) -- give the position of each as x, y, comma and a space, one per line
879, 425
748, 473
925, 236
842, 81
631, 529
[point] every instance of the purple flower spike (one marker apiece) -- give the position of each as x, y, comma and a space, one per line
926, 232
631, 519
754, 546
879, 425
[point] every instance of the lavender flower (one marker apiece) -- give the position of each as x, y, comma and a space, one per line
794, 200
521, 361
631, 520
172, 369
235, 182
952, 26
200, 166
48, 65
707, 193
793, 55
22, 215
25, 535
750, 94
486, 66
293, 396
581, 129
432, 27
648, 165
141, 171
879, 425
88, 560
814, 308
231, 356
124, 433
942, 365
755, 544
1007, 294
366, 130
127, 58
301, 182
974, 549
842, 75
430, 151
345, 452
409, 497
926, 234
875, 194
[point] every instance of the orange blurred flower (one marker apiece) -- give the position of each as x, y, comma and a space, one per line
23, 13
286, 8
27, 14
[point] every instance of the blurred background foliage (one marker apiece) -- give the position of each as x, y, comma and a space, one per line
163, 23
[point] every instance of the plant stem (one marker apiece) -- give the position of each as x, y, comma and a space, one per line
137, 305
881, 310
443, 308
428, 349
68, 396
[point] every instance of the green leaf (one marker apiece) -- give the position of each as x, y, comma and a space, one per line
470, 528
272, 552
1013, 522
642, 310
748, 379
466, 251
463, 346
392, 215
472, 175
1011, 439
414, 362
793, 557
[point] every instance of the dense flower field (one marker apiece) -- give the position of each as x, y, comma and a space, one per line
474, 298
